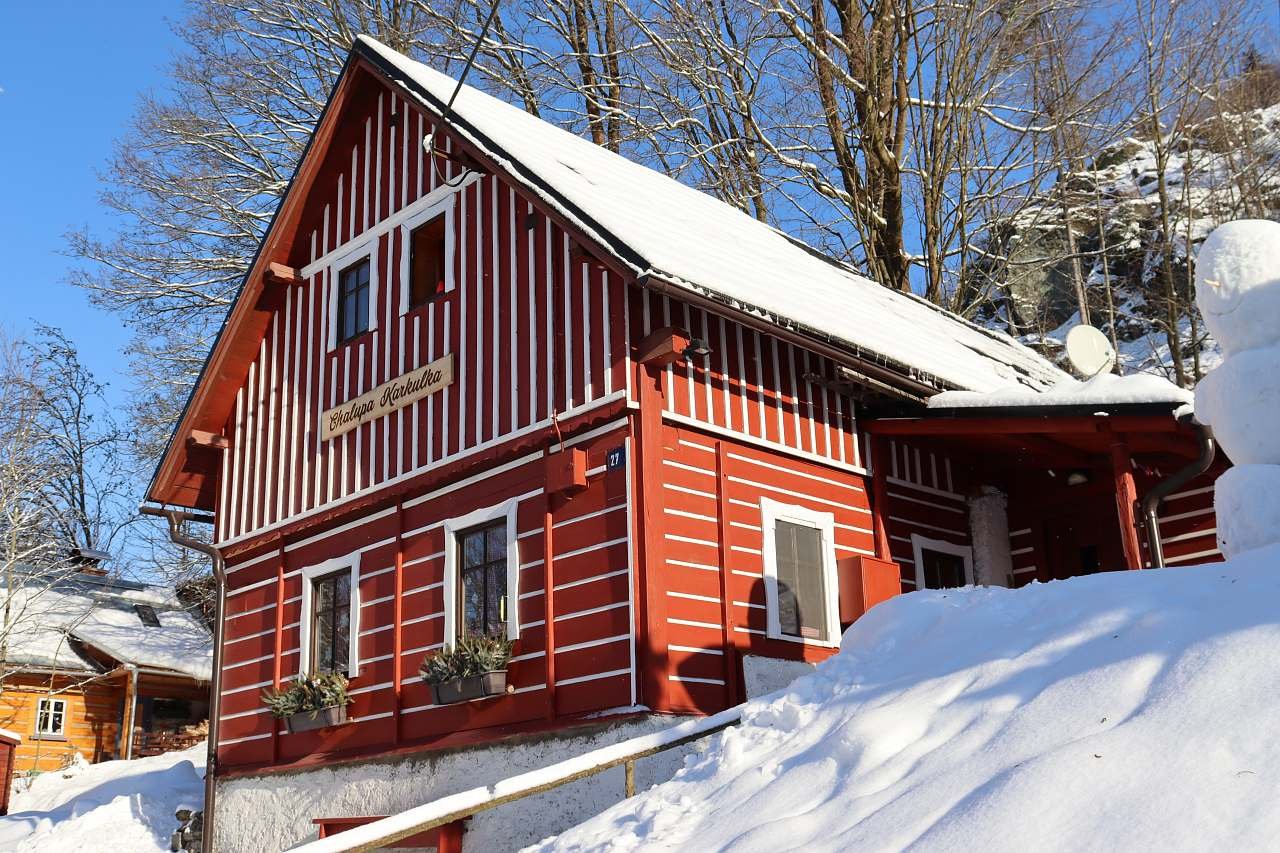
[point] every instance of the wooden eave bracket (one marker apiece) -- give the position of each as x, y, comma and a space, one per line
205, 439
276, 278
579, 254
662, 346
281, 275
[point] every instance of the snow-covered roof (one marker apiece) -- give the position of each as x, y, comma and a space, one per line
673, 233
1104, 390
54, 620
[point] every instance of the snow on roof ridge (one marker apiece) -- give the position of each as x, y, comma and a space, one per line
701, 243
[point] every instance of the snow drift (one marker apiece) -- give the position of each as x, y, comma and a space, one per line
1123, 711
115, 805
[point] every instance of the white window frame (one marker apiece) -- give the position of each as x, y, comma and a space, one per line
357, 253
771, 512
446, 207
453, 571
53, 709
920, 543
309, 574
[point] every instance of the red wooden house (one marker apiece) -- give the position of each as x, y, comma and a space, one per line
658, 416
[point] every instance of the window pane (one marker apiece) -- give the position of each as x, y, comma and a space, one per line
801, 597
331, 622
473, 602
496, 599
353, 300
942, 570
426, 277
472, 549
497, 541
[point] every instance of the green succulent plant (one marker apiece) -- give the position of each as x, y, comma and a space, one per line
470, 655
308, 693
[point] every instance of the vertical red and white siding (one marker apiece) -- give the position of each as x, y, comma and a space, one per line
752, 386
593, 611
926, 498
533, 335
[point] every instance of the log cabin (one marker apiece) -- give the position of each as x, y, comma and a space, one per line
99, 668
691, 449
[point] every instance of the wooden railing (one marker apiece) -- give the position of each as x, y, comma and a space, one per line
464, 804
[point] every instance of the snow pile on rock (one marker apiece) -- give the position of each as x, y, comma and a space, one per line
1123, 711
115, 805
1238, 293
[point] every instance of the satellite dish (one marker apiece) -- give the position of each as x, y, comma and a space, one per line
1089, 351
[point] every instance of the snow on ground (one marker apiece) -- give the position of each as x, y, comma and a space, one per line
115, 805
1121, 711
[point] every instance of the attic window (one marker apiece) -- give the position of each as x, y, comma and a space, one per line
426, 262
147, 614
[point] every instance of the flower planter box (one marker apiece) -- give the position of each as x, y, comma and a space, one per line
307, 721
473, 687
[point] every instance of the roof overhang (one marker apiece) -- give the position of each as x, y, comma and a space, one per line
1051, 436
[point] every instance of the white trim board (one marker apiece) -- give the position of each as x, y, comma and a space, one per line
454, 526
771, 512
919, 544
443, 207
309, 574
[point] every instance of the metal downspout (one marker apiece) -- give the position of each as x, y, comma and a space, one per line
175, 519
1151, 502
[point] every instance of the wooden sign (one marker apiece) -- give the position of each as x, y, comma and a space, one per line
386, 398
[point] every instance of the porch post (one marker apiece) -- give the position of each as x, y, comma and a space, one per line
1126, 502
130, 710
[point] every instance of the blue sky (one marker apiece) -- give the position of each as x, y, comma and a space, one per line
71, 73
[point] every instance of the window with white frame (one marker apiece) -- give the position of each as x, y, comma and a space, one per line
426, 267
801, 589
330, 624
353, 294
941, 564
482, 570
51, 717
353, 300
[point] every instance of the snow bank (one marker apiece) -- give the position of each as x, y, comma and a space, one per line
1105, 389
115, 805
1122, 711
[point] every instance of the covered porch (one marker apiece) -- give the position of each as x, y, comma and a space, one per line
1043, 492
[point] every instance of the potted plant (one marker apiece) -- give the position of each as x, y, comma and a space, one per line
473, 668
311, 702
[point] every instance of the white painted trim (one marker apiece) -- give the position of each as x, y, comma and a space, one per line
920, 543
454, 526
443, 206
310, 573
771, 512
